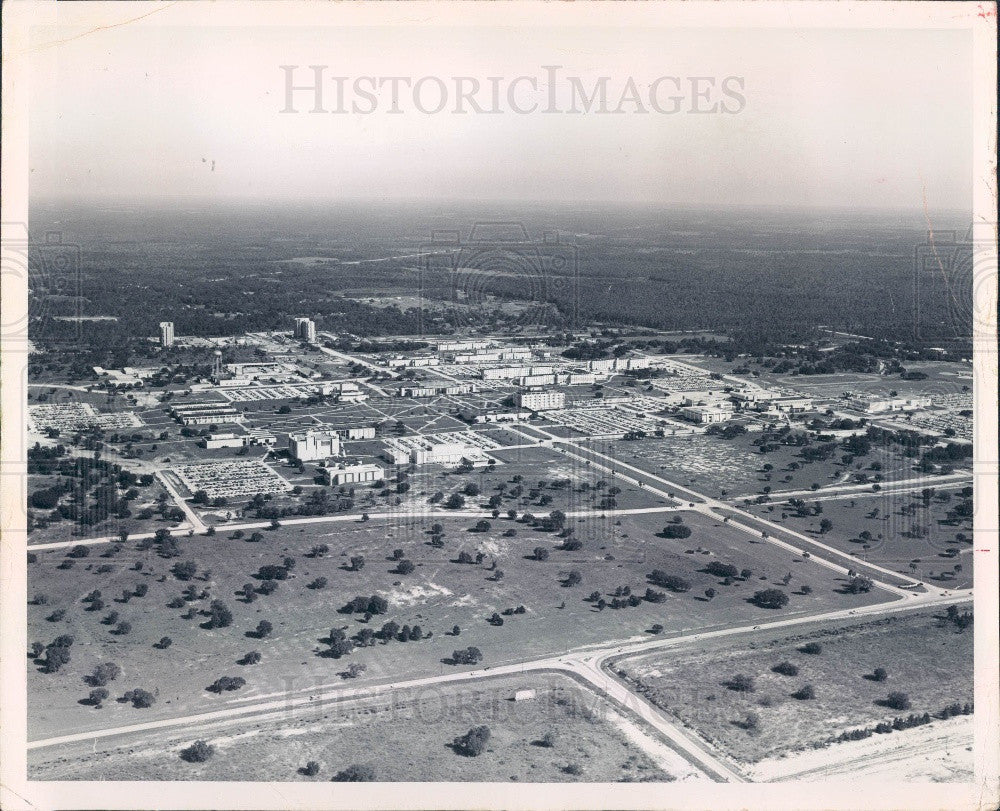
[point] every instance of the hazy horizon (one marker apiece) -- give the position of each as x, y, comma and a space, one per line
833, 118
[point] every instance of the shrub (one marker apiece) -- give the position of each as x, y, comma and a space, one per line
251, 658
741, 683
879, 674
720, 569
467, 656
198, 752
676, 531
668, 581
103, 673
355, 774
812, 648
786, 669
97, 696
805, 693
164, 643
226, 684
473, 742
311, 769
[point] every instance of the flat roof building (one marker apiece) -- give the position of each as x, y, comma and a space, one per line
166, 333
312, 445
353, 474
540, 400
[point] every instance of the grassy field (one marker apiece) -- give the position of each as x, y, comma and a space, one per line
735, 468
617, 552
404, 738
906, 534
925, 656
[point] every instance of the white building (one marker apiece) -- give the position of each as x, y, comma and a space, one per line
362, 432
215, 441
353, 474
881, 405
705, 415
540, 400
166, 333
312, 445
349, 393
305, 329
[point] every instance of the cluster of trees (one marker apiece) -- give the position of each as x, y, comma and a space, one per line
365, 605
770, 598
658, 577
467, 656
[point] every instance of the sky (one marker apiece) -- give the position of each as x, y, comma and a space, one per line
824, 117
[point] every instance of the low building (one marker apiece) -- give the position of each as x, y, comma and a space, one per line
353, 474
205, 414
215, 441
540, 400
704, 415
348, 393
312, 445
363, 432
882, 405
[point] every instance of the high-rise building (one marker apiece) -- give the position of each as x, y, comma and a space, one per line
540, 400
305, 329
166, 333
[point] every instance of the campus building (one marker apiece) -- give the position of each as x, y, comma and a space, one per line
353, 474
540, 400
705, 415
305, 329
312, 445
166, 333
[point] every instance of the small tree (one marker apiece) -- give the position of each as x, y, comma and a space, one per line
405, 567
812, 648
786, 669
879, 674
311, 769
770, 598
741, 683
263, 629
897, 701
805, 693
97, 696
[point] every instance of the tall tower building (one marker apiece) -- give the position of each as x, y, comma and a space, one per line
305, 329
166, 333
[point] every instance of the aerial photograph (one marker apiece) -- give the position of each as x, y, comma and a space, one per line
373, 440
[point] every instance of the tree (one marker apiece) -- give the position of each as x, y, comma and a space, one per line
226, 683
481, 526
104, 673
252, 658
668, 581
897, 701
219, 615
357, 563
263, 629
786, 669
473, 742
770, 598
879, 674
185, 570
198, 752
467, 656
548, 740
676, 531
720, 569
405, 567
812, 648
97, 696
311, 769
540, 553
710, 593
354, 774
805, 693
825, 526
574, 578
455, 501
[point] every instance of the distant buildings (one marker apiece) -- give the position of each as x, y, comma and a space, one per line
540, 400
424, 450
166, 333
362, 432
309, 446
234, 440
305, 330
881, 405
434, 391
349, 392
205, 413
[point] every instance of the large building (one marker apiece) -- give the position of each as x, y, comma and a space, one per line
353, 474
881, 405
305, 329
540, 400
205, 413
312, 445
705, 415
166, 333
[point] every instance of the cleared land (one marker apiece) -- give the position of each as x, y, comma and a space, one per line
926, 657
405, 737
439, 593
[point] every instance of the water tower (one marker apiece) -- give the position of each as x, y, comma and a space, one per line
217, 365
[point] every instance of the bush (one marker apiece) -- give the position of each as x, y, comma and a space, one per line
198, 752
467, 656
676, 531
668, 581
786, 669
97, 696
405, 567
741, 683
164, 643
720, 569
251, 658
897, 701
812, 648
355, 774
805, 693
226, 684
473, 742
103, 673
879, 674
311, 769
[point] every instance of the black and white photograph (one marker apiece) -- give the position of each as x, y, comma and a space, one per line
501, 405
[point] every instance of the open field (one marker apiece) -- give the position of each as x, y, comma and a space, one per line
925, 656
735, 468
403, 737
617, 552
905, 533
